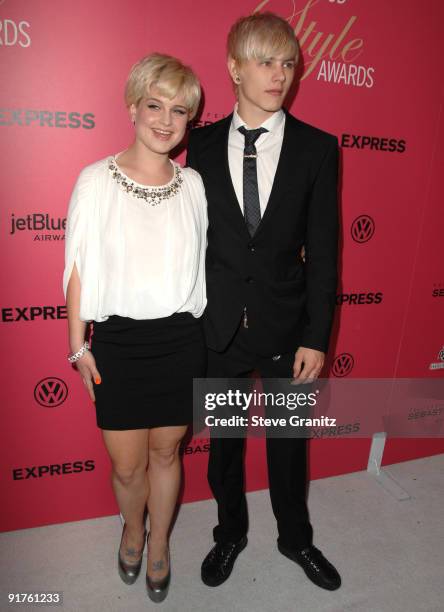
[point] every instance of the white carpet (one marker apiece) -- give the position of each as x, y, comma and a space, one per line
389, 553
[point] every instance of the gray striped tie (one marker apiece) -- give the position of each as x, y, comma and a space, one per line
252, 209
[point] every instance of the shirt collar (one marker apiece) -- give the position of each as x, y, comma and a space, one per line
272, 124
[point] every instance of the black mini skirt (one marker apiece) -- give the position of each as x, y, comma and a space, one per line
147, 369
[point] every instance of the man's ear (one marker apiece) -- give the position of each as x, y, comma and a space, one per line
233, 69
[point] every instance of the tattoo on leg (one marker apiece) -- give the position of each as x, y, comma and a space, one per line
158, 565
132, 552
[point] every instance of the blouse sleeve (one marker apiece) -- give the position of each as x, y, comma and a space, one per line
202, 294
78, 237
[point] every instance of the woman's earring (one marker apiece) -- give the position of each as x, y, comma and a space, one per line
237, 79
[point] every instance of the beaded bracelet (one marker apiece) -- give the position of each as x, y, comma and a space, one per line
73, 357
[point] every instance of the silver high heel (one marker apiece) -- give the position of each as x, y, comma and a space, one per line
129, 571
158, 589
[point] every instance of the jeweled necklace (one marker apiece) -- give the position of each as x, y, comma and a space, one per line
151, 195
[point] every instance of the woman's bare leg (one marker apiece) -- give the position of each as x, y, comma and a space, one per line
128, 451
164, 474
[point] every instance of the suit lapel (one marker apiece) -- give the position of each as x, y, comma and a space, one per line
283, 171
219, 162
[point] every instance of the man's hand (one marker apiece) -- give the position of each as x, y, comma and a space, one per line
307, 364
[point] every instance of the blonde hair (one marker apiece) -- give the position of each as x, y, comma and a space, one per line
261, 35
168, 75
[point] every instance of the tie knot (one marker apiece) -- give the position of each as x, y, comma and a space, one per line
251, 135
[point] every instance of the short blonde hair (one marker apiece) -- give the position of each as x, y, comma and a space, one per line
168, 75
261, 35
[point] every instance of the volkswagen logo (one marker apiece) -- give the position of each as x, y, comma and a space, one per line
441, 354
342, 365
50, 392
362, 229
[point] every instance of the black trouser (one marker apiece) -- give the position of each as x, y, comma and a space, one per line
286, 457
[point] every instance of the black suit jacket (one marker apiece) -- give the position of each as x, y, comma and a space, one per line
289, 303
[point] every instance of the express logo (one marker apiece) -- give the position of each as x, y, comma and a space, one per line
32, 313
45, 118
374, 143
53, 469
50, 392
334, 432
362, 229
342, 365
370, 297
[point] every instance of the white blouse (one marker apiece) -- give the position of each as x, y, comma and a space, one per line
136, 259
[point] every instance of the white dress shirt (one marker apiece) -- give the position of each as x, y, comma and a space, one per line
134, 259
268, 148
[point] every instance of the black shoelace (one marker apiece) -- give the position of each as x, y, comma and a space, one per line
313, 555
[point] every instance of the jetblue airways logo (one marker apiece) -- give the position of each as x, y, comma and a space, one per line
46, 226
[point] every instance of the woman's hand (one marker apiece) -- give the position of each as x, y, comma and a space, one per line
86, 366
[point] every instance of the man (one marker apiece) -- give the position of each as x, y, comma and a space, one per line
271, 186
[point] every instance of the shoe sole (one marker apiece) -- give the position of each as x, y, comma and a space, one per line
290, 556
225, 578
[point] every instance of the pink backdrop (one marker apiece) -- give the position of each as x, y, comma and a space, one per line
372, 77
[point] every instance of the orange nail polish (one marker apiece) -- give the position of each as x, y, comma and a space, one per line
98, 381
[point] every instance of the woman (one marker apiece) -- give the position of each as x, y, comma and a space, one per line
135, 249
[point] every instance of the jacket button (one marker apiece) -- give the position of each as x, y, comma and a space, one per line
248, 279
251, 248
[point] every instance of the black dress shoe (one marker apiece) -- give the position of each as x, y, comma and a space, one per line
218, 564
315, 565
